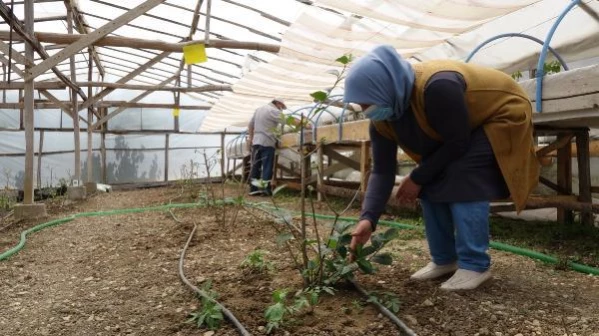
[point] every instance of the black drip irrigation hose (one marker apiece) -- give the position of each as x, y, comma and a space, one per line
508, 248
386, 312
226, 312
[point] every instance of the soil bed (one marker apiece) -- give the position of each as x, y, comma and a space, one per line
117, 275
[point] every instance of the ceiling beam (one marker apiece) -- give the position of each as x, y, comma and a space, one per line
45, 19
128, 42
156, 17
51, 105
88, 39
23, 35
132, 101
105, 92
157, 87
65, 108
80, 26
13, 66
55, 85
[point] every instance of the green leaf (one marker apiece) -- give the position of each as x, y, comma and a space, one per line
319, 96
332, 242
345, 59
341, 227
342, 250
346, 270
391, 234
275, 312
334, 72
368, 250
300, 303
279, 188
377, 241
383, 259
313, 298
289, 120
283, 237
329, 290
344, 239
279, 295
365, 266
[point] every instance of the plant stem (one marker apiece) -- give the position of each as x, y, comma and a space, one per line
318, 242
303, 198
287, 244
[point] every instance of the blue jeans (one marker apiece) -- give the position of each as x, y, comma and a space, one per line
262, 166
458, 232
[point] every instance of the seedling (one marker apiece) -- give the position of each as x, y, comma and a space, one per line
210, 313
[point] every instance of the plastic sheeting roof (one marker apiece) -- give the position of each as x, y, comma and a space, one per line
419, 30
312, 34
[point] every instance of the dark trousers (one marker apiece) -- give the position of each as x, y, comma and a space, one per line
262, 167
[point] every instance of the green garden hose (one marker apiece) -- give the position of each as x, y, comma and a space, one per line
7, 254
498, 246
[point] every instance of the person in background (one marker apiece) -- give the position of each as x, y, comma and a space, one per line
470, 130
263, 141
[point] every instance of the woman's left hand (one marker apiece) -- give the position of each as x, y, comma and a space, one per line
408, 191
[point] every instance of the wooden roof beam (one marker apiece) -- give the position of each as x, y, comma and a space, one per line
54, 85
174, 66
204, 88
125, 79
80, 26
132, 101
88, 39
22, 34
128, 42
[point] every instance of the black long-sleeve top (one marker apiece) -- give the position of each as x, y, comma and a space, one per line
444, 171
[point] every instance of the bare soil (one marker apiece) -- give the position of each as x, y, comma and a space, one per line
117, 275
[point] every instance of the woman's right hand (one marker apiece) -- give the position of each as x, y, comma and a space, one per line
360, 236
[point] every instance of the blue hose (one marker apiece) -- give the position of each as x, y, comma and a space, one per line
540, 72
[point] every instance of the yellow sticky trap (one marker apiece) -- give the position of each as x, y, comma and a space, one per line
194, 53
176, 111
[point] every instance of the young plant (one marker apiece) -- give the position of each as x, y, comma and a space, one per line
210, 314
6, 202
256, 263
387, 299
282, 311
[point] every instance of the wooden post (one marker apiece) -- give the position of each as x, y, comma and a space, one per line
584, 174
21, 112
207, 18
90, 115
222, 155
75, 113
564, 178
4, 80
364, 164
28, 109
103, 154
320, 165
166, 146
39, 160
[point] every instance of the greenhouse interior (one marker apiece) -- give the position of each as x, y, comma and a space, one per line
136, 197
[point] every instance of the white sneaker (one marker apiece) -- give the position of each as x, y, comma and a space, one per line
465, 279
433, 271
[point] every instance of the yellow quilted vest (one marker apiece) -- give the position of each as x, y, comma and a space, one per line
498, 104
